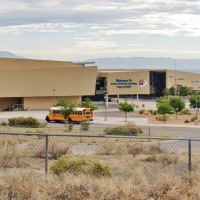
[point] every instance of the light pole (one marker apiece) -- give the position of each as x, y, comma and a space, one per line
196, 109
54, 96
106, 105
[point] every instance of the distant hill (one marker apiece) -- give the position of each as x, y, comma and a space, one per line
6, 54
189, 65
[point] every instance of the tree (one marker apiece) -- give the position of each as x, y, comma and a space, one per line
177, 103
68, 107
162, 100
195, 101
184, 90
126, 107
87, 103
163, 106
178, 90
152, 91
166, 92
64, 103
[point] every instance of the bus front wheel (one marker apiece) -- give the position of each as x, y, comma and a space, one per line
47, 119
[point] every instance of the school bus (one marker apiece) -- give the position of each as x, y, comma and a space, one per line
79, 114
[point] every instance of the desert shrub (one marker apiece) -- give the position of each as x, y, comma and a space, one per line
10, 158
55, 150
80, 166
127, 129
142, 111
24, 122
193, 119
187, 121
85, 125
135, 149
154, 149
163, 117
70, 126
114, 149
185, 111
138, 148
150, 158
147, 113
166, 160
3, 123
152, 112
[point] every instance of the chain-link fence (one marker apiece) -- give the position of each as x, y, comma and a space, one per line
126, 156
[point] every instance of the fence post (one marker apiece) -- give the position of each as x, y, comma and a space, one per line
149, 134
189, 156
46, 153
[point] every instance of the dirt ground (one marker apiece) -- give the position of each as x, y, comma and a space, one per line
180, 119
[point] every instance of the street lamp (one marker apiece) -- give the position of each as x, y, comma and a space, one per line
196, 108
106, 105
54, 96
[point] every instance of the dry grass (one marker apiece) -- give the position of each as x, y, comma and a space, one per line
27, 185
140, 170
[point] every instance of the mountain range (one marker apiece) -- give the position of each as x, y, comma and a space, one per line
6, 54
119, 63
188, 65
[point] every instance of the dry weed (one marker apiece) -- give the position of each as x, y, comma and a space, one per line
26, 185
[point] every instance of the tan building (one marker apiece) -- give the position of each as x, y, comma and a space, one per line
124, 82
139, 82
37, 84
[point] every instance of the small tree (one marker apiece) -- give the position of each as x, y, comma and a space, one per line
68, 108
87, 103
125, 107
177, 103
163, 106
195, 101
64, 103
166, 92
184, 90
152, 91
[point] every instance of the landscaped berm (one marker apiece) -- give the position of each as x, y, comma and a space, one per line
191, 119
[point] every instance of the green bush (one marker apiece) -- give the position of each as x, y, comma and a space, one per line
24, 122
128, 129
79, 166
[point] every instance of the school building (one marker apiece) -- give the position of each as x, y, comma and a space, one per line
39, 84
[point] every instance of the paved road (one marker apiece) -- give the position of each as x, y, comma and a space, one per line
112, 118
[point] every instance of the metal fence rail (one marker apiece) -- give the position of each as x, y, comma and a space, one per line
124, 154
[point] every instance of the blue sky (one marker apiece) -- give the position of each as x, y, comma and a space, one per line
77, 30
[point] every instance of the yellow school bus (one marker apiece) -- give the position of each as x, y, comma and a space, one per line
79, 114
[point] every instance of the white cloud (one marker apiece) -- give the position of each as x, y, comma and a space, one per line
99, 28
